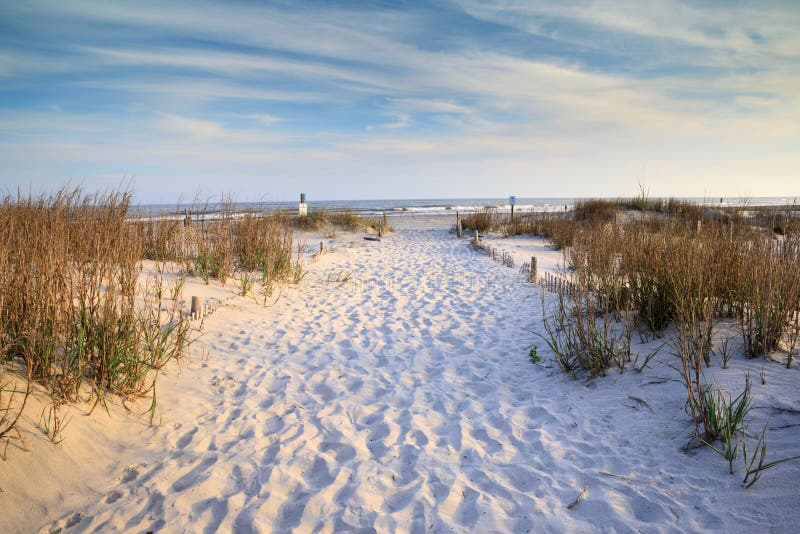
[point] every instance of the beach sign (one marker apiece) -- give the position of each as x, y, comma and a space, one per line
512, 200
302, 209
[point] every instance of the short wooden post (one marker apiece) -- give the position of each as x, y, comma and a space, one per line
459, 228
380, 229
385, 224
197, 308
187, 219
321, 247
477, 237
534, 268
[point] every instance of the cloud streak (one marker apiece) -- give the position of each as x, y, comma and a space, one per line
529, 94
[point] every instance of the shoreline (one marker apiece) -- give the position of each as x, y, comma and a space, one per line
413, 207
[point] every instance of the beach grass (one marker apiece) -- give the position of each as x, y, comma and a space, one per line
675, 272
72, 310
332, 220
78, 318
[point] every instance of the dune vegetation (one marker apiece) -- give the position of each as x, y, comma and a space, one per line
81, 319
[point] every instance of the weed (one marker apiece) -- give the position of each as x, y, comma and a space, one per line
725, 419
755, 463
533, 355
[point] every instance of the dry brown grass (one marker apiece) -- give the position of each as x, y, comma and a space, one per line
483, 220
673, 276
71, 310
77, 317
323, 219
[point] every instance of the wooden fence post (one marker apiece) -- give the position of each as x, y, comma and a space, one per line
197, 308
534, 268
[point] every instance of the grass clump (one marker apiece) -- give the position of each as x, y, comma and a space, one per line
595, 211
559, 228
161, 239
769, 294
677, 271
726, 420
483, 220
590, 328
348, 220
72, 311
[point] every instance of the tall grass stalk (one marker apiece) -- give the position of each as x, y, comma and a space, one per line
72, 311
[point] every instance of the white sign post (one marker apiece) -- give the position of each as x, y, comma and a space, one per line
302, 210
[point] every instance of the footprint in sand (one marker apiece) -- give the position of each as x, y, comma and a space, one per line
63, 524
131, 473
343, 451
319, 476
467, 512
184, 440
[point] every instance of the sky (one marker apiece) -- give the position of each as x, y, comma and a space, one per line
395, 99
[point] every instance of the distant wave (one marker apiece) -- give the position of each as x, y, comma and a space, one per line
429, 206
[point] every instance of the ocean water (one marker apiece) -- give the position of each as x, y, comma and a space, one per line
435, 205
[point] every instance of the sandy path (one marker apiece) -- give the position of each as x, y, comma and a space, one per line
404, 400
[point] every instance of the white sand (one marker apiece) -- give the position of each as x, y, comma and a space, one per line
401, 400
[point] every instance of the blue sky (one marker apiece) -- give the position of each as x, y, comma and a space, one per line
401, 99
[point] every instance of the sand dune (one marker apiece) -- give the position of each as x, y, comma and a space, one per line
403, 399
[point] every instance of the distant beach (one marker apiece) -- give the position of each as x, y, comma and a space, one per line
434, 206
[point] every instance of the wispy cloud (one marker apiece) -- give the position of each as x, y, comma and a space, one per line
194, 128
522, 91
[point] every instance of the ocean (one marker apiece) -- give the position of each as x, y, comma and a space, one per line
434, 205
